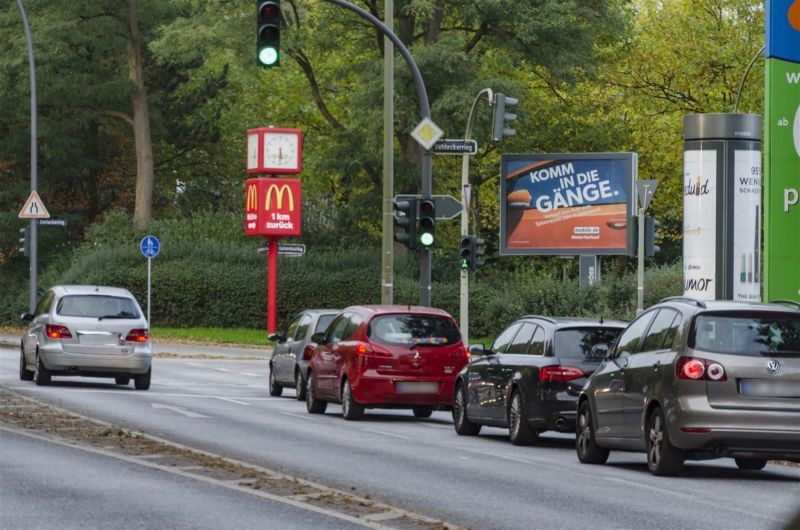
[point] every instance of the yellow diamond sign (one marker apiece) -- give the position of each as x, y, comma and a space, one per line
427, 133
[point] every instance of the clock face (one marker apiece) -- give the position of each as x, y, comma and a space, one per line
281, 151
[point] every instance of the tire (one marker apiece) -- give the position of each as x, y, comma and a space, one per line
299, 386
463, 426
750, 464
663, 459
122, 380
585, 445
275, 389
42, 375
142, 381
351, 409
24, 373
422, 412
314, 405
519, 432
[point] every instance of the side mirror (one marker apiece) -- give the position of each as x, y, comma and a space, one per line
26, 317
622, 360
478, 350
319, 338
276, 337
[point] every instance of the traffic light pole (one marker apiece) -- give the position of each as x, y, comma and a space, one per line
33, 243
640, 269
387, 244
464, 291
427, 159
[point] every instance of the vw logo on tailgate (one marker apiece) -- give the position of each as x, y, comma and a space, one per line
773, 366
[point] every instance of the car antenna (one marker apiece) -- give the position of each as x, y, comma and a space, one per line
601, 319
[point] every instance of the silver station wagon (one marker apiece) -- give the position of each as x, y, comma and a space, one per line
88, 331
698, 380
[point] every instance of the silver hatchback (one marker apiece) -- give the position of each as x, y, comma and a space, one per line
697, 380
89, 331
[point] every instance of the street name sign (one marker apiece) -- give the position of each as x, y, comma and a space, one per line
53, 221
294, 251
455, 147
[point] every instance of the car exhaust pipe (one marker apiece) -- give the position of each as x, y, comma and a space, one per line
721, 450
72, 369
561, 423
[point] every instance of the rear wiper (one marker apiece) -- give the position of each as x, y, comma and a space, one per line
118, 315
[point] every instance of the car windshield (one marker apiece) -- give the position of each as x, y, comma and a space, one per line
584, 343
751, 334
97, 306
411, 330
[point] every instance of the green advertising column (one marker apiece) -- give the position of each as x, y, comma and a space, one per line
782, 152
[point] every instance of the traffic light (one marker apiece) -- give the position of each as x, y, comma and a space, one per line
467, 249
427, 222
502, 118
268, 36
25, 241
405, 219
650, 236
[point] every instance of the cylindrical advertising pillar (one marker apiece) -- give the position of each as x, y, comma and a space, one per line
722, 209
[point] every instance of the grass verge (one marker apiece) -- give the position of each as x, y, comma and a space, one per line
256, 337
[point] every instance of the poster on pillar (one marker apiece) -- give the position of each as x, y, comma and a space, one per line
700, 224
273, 207
747, 226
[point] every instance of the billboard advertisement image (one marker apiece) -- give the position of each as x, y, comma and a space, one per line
700, 224
566, 204
273, 207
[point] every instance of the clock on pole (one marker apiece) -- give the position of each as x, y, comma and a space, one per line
274, 150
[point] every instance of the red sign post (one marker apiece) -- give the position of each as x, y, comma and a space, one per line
273, 206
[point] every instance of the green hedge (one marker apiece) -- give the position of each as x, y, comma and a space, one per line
215, 278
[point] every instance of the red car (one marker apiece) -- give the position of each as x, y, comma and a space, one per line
386, 356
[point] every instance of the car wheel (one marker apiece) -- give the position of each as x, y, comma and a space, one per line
462, 425
422, 412
274, 388
24, 373
751, 464
519, 432
588, 451
351, 410
299, 386
142, 381
41, 376
122, 380
314, 405
663, 459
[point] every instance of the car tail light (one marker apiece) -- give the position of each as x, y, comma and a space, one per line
57, 332
308, 353
363, 348
460, 354
557, 372
698, 369
138, 335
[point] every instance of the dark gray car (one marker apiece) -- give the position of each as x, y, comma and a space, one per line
293, 350
698, 380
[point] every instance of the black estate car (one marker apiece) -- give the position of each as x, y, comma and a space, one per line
530, 378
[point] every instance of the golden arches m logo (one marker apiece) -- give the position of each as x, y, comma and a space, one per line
251, 202
279, 191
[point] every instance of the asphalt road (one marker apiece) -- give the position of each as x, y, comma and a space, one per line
44, 485
223, 406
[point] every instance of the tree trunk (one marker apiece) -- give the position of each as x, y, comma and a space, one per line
141, 123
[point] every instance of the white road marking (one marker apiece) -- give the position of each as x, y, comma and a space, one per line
179, 410
382, 433
232, 400
302, 417
433, 425
252, 375
220, 369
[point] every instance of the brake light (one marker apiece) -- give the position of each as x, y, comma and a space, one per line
363, 349
460, 354
698, 369
57, 332
308, 353
556, 372
138, 335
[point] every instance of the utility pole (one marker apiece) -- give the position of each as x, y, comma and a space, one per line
34, 239
387, 246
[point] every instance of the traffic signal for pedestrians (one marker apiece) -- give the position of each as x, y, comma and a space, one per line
650, 236
427, 222
268, 37
405, 221
467, 252
25, 241
502, 118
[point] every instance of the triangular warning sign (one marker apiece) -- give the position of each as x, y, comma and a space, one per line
34, 208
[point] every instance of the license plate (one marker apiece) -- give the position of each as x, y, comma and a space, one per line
769, 388
416, 387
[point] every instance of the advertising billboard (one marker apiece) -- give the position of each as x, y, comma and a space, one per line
272, 207
567, 203
700, 224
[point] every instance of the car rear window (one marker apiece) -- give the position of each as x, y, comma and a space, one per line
323, 322
752, 334
580, 343
414, 329
97, 306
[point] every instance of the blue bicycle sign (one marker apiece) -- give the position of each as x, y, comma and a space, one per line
149, 247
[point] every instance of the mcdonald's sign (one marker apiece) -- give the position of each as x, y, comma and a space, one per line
273, 207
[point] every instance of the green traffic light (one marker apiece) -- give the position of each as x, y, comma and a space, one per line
426, 239
464, 264
268, 56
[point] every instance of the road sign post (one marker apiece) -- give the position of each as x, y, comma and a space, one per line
150, 248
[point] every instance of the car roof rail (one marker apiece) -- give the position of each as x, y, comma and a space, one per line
789, 302
687, 299
546, 319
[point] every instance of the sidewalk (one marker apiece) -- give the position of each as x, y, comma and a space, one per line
263, 352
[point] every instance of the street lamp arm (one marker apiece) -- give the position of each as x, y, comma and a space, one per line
471, 118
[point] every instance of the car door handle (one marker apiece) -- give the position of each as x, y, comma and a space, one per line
657, 366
